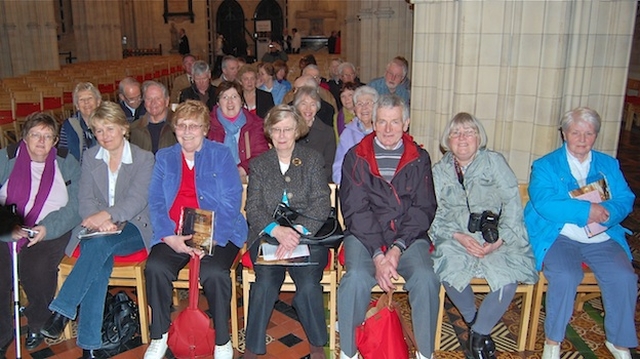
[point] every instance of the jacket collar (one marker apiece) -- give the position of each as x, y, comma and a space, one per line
366, 151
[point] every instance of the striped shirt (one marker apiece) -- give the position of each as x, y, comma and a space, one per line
388, 159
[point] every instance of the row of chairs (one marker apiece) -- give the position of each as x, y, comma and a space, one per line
132, 274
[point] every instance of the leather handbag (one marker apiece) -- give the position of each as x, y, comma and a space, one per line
383, 332
120, 321
190, 334
329, 235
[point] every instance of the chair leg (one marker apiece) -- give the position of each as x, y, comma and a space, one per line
333, 297
536, 307
527, 298
245, 295
440, 320
234, 309
143, 308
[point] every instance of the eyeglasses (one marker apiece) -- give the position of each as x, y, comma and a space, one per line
47, 137
191, 127
279, 131
133, 99
364, 103
464, 134
230, 97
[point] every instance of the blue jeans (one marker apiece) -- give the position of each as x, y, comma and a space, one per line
87, 283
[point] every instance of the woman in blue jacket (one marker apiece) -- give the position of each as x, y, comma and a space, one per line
196, 173
557, 222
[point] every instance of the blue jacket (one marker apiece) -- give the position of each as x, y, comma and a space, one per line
218, 189
402, 90
550, 205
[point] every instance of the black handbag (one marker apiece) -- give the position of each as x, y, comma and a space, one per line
329, 235
120, 321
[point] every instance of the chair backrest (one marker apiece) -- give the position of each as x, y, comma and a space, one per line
524, 193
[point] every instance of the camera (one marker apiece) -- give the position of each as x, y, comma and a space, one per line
30, 232
485, 222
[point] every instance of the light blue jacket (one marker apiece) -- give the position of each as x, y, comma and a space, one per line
550, 205
218, 188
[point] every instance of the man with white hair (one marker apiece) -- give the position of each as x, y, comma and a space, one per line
313, 71
393, 81
230, 67
130, 94
183, 81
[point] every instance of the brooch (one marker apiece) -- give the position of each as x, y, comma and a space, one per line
296, 161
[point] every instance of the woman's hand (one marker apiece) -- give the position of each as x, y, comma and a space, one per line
42, 232
598, 214
96, 220
288, 239
490, 247
470, 244
176, 242
243, 174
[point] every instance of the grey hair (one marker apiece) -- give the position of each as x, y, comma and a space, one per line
345, 65
150, 83
581, 114
463, 119
390, 101
309, 91
310, 66
307, 81
400, 63
365, 90
200, 67
127, 81
85, 86
226, 59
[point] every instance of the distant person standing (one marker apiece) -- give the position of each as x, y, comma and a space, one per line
183, 43
296, 42
331, 44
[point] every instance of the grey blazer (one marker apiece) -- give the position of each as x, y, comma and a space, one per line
131, 196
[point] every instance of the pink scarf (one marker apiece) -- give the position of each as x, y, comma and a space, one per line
19, 186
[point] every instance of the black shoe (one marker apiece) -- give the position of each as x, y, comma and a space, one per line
88, 354
54, 325
33, 340
481, 346
3, 349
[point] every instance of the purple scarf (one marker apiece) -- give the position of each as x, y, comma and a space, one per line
19, 186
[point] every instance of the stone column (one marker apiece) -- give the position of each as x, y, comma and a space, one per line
27, 37
518, 66
97, 29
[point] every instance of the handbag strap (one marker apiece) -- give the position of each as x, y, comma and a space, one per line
406, 329
194, 274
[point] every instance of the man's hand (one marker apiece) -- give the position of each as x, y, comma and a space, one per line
386, 265
176, 242
470, 244
288, 239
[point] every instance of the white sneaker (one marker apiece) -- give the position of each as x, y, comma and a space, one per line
420, 356
345, 356
618, 353
223, 351
157, 348
551, 351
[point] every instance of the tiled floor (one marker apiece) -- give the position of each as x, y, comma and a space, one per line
288, 340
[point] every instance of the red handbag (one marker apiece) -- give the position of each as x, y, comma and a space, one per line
190, 334
382, 334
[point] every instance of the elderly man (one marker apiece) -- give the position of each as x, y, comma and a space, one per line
202, 90
230, 67
153, 130
388, 203
183, 81
326, 111
130, 95
393, 81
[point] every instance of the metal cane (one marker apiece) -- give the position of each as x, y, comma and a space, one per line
16, 299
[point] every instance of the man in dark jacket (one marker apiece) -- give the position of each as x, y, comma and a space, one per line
388, 203
201, 90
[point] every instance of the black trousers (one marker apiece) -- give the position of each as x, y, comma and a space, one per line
38, 272
162, 269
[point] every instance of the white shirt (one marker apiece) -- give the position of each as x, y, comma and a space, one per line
113, 176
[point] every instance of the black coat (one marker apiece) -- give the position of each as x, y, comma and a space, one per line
191, 93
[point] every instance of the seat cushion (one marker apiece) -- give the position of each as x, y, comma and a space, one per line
134, 257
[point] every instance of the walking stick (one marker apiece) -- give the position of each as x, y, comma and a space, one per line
16, 299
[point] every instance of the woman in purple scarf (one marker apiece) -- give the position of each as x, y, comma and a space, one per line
43, 183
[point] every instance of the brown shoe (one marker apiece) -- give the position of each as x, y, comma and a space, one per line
317, 352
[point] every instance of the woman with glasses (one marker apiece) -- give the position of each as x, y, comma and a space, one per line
43, 183
113, 190
75, 132
195, 173
237, 128
363, 100
293, 175
478, 231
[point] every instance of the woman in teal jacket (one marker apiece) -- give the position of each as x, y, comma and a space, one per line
556, 223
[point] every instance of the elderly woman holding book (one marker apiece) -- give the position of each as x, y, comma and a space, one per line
578, 197
200, 174
112, 196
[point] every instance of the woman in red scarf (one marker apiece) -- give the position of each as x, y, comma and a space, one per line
43, 183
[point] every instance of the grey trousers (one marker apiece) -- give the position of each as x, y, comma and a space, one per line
354, 293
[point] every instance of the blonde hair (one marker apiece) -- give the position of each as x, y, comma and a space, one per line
111, 113
192, 110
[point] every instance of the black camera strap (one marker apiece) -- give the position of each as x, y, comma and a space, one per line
460, 175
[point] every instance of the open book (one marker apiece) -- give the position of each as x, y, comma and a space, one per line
594, 192
200, 223
299, 256
87, 233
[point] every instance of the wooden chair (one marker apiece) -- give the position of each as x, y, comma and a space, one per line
24, 103
329, 283
9, 129
632, 104
123, 274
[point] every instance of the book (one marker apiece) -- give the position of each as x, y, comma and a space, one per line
594, 192
199, 223
299, 256
87, 233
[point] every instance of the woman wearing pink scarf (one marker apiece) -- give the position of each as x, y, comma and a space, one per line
43, 183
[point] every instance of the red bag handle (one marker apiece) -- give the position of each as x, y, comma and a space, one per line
194, 275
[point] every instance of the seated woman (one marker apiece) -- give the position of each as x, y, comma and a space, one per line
320, 137
43, 183
557, 223
347, 111
471, 181
267, 75
294, 175
239, 130
256, 101
75, 133
195, 173
364, 100
113, 189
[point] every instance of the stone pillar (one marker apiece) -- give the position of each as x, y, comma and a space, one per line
27, 37
518, 66
97, 30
